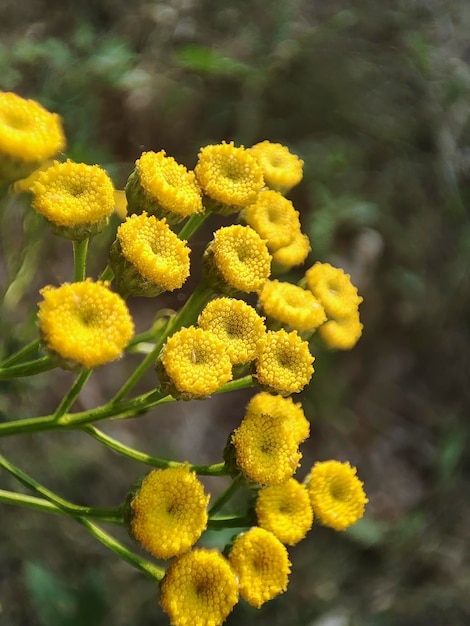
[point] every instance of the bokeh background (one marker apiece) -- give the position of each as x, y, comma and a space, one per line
375, 97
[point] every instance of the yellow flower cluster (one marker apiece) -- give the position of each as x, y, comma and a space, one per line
282, 170
291, 305
168, 511
282, 410
84, 324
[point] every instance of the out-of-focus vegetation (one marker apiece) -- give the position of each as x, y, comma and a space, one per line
375, 97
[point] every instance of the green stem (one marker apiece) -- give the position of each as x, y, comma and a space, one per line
21, 353
235, 521
30, 368
73, 393
225, 497
191, 226
107, 274
80, 250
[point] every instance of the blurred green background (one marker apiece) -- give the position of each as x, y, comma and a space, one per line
375, 97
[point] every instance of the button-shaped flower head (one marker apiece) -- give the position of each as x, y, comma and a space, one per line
230, 177
237, 324
84, 324
168, 512
291, 305
336, 493
333, 288
148, 257
285, 510
199, 589
76, 199
342, 333
237, 260
262, 565
164, 188
282, 170
29, 135
293, 254
281, 409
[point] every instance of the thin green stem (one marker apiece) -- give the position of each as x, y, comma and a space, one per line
225, 497
80, 251
30, 368
229, 521
73, 393
107, 274
191, 226
21, 353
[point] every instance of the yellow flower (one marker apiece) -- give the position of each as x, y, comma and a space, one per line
199, 589
285, 510
336, 493
342, 333
196, 363
266, 449
293, 254
237, 260
237, 324
228, 175
281, 409
284, 363
333, 288
148, 257
77, 199
163, 187
274, 219
169, 511
84, 323
262, 565
282, 170
291, 305
29, 135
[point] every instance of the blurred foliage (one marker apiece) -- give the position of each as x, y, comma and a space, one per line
375, 98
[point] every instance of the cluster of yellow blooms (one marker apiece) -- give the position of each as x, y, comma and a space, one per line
85, 324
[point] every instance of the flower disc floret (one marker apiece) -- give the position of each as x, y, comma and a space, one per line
73, 194
285, 510
237, 324
262, 565
196, 362
274, 219
336, 493
284, 363
282, 170
199, 589
229, 174
84, 323
157, 253
169, 511
241, 258
342, 333
294, 253
333, 289
281, 409
287, 303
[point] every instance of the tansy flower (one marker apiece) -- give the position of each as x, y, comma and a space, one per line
293, 254
29, 135
169, 511
284, 363
195, 362
342, 333
291, 305
336, 493
281, 409
237, 260
282, 170
164, 188
199, 589
237, 324
229, 176
84, 323
333, 288
148, 257
77, 199
285, 510
265, 449
262, 565
274, 219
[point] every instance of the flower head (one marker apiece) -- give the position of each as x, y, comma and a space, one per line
291, 305
285, 510
77, 199
284, 363
237, 324
84, 323
148, 257
293, 254
169, 511
266, 450
164, 188
274, 219
333, 289
262, 565
199, 589
29, 135
196, 363
336, 493
237, 260
342, 333
281, 409
228, 175
282, 170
